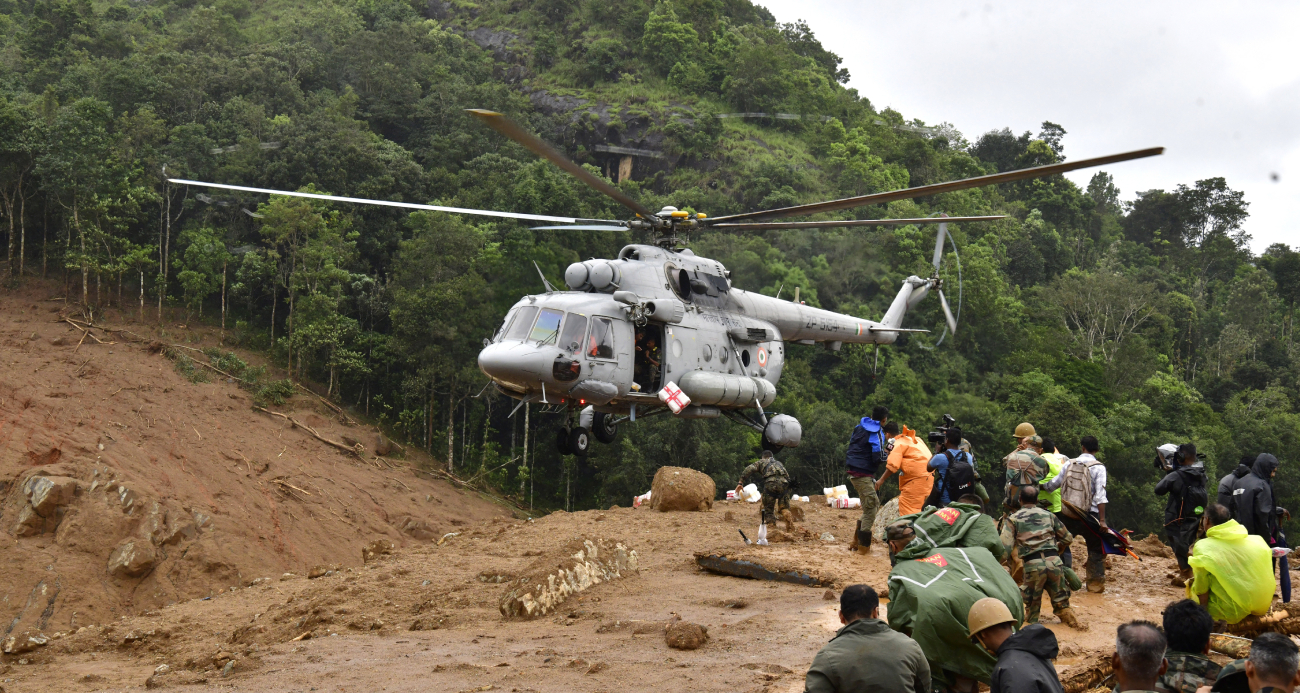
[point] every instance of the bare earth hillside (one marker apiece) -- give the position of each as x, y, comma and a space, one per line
124, 487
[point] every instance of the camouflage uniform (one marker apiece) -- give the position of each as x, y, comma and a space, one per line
1187, 672
1032, 531
1024, 468
772, 479
1232, 677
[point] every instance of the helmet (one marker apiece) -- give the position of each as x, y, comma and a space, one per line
986, 613
1025, 429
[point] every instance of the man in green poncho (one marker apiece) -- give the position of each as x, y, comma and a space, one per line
958, 524
931, 591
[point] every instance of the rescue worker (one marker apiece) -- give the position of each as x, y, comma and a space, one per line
910, 459
1188, 627
1024, 657
773, 482
1228, 484
1025, 467
1051, 500
1232, 573
1187, 500
1139, 657
866, 656
867, 454
1036, 536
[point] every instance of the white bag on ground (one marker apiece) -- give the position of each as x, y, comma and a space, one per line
762, 535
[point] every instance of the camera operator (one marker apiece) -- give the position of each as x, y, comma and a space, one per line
1185, 485
954, 468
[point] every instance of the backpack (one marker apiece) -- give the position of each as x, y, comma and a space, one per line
774, 471
1195, 498
1076, 488
960, 478
879, 452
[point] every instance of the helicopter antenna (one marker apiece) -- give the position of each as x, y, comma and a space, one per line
549, 289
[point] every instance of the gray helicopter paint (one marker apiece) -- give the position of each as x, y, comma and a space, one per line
728, 335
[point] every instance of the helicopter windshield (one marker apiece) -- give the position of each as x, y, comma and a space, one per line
574, 329
547, 328
523, 320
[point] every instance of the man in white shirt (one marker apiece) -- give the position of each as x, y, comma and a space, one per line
1097, 475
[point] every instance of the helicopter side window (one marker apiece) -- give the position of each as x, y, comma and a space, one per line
547, 329
600, 345
523, 320
505, 326
574, 329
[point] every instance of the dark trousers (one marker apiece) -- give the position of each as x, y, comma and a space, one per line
1182, 534
1067, 556
1096, 559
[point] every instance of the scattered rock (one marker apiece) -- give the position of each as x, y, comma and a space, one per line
132, 558
827, 536
551, 579
321, 571
26, 642
47, 494
417, 529
828, 595
426, 624
383, 446
679, 488
375, 549
597, 667
686, 636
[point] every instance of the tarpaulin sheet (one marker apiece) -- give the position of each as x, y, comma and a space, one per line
930, 597
959, 524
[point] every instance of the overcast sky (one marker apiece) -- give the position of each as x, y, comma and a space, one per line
1217, 84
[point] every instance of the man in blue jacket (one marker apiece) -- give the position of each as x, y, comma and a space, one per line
867, 454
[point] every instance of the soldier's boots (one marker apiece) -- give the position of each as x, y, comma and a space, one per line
1067, 617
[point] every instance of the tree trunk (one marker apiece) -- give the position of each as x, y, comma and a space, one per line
428, 418
223, 302
9, 209
523, 461
45, 238
164, 248
22, 230
85, 269
142, 293
451, 429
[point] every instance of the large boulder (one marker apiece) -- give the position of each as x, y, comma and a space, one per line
679, 488
132, 558
553, 578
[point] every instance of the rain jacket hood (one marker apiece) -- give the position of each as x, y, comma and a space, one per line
1024, 662
1240, 471
1255, 506
1236, 568
1037, 641
870, 424
1265, 465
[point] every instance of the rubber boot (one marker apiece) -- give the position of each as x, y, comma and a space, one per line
1096, 585
1067, 617
864, 540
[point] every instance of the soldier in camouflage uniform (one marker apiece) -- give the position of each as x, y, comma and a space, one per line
1036, 535
1187, 627
1025, 468
772, 480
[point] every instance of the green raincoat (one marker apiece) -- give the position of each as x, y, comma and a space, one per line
930, 597
958, 524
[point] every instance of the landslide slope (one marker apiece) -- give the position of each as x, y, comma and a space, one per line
125, 487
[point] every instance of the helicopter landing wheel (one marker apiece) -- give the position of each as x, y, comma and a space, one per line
562, 441
604, 428
579, 441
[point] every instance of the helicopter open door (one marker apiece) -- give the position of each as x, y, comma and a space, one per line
648, 362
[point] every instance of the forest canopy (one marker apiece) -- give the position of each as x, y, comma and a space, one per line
1141, 318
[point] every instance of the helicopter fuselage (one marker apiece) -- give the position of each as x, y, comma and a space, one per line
627, 327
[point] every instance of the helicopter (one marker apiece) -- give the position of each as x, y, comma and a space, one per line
660, 330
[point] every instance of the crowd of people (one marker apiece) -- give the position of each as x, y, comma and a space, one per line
966, 590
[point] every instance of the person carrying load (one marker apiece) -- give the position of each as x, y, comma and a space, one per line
868, 453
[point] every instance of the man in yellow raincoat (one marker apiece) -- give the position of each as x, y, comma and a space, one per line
909, 458
1232, 570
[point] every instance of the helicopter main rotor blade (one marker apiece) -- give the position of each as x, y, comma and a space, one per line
770, 225
938, 245
947, 314
510, 129
925, 190
384, 203
579, 227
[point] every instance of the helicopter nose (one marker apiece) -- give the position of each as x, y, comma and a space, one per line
512, 363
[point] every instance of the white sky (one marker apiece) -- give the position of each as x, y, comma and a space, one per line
1217, 84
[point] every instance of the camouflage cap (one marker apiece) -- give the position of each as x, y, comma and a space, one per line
1035, 440
900, 530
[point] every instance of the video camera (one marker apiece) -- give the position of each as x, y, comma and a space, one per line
938, 437
1170, 457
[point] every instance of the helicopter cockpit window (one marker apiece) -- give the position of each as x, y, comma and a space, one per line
523, 320
601, 343
547, 329
574, 329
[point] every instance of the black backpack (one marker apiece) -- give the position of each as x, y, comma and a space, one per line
1195, 500
960, 479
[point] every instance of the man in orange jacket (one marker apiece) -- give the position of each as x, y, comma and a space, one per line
909, 458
